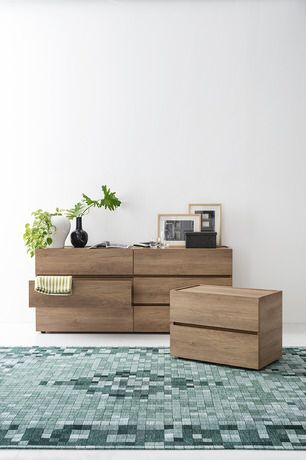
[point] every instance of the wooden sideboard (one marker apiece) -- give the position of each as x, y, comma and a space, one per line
122, 290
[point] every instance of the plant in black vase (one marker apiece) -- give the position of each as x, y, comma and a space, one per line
108, 200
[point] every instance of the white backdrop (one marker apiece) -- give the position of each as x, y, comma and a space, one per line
168, 102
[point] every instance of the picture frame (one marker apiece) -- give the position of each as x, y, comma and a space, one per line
211, 218
172, 227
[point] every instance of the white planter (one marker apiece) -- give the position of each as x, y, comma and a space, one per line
62, 228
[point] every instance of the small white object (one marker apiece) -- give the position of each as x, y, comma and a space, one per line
60, 232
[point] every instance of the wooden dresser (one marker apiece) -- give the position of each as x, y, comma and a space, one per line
122, 290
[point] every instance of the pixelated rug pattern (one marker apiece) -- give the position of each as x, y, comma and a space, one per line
142, 398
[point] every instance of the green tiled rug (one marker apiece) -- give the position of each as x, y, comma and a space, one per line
141, 398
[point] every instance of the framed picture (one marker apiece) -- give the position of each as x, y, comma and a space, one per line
211, 218
173, 227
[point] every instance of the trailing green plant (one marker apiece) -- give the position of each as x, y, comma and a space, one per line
39, 234
109, 200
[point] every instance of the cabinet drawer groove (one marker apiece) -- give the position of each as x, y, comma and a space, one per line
176, 323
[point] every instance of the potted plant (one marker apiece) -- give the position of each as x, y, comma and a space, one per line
109, 200
47, 230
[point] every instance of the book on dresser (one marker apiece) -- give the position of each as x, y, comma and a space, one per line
122, 290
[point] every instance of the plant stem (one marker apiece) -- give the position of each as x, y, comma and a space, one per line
85, 210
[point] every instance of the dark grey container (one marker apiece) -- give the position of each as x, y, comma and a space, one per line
201, 239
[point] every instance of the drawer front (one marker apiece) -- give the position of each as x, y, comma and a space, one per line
156, 290
229, 312
87, 293
80, 319
84, 261
151, 318
215, 346
181, 261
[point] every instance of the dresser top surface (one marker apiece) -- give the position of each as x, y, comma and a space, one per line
228, 291
134, 248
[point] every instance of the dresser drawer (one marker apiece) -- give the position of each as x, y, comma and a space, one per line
93, 306
84, 261
87, 293
84, 319
156, 290
216, 310
215, 346
151, 318
181, 261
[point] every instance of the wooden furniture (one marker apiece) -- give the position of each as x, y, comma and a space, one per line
122, 290
239, 327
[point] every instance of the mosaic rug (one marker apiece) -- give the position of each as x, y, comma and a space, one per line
141, 398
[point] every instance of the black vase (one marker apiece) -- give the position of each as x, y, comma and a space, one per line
79, 237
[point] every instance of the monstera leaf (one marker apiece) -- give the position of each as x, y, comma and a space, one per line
77, 210
109, 201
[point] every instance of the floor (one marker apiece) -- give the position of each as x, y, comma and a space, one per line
24, 335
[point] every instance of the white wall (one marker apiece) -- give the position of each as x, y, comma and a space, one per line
168, 102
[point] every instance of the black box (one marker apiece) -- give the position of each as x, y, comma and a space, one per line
201, 239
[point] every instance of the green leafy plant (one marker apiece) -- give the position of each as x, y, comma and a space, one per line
76, 211
39, 234
108, 200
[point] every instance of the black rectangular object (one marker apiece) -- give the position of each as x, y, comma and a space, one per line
201, 239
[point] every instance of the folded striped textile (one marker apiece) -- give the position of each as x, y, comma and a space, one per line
53, 285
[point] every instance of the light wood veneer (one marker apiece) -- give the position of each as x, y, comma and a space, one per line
156, 290
217, 346
151, 318
80, 319
84, 261
240, 327
183, 262
87, 293
122, 289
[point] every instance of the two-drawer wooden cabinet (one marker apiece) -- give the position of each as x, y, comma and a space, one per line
239, 327
122, 290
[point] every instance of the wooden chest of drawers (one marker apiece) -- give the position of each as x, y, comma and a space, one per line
239, 327
122, 290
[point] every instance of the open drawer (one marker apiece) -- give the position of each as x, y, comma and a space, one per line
95, 305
